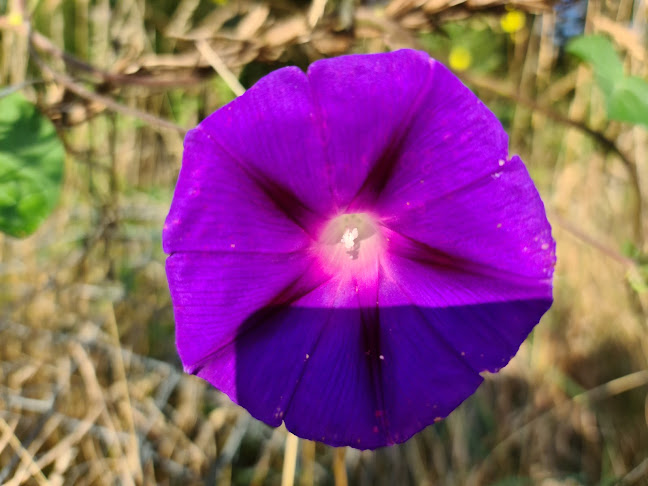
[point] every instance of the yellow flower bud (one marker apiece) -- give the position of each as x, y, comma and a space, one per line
513, 21
460, 58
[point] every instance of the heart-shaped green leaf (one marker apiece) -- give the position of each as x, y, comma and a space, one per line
31, 166
598, 51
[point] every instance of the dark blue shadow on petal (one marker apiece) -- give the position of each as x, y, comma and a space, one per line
372, 377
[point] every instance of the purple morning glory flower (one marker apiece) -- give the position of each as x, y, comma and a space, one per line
350, 248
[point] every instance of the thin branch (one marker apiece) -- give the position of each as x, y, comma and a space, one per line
46, 45
108, 102
8, 90
590, 240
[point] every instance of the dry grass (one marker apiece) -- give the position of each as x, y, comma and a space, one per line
91, 390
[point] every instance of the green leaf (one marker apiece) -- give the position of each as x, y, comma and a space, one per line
638, 280
626, 96
598, 51
629, 101
31, 166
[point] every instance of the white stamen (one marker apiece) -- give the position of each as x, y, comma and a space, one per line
348, 238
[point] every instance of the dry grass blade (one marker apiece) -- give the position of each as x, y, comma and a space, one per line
32, 467
219, 66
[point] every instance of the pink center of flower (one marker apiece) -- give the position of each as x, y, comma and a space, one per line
351, 243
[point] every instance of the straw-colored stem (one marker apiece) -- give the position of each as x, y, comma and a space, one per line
308, 463
339, 467
290, 460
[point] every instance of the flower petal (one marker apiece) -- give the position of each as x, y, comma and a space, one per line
439, 328
493, 222
308, 364
482, 316
423, 378
453, 187
214, 294
363, 352
453, 141
218, 206
336, 400
365, 105
273, 131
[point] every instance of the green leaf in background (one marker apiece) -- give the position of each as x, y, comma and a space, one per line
598, 51
626, 96
31, 166
629, 101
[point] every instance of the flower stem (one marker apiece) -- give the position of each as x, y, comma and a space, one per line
339, 467
290, 460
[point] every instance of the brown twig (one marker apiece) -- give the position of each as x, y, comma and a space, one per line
108, 102
590, 240
44, 44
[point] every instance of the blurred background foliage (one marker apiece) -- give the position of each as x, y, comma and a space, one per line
95, 98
